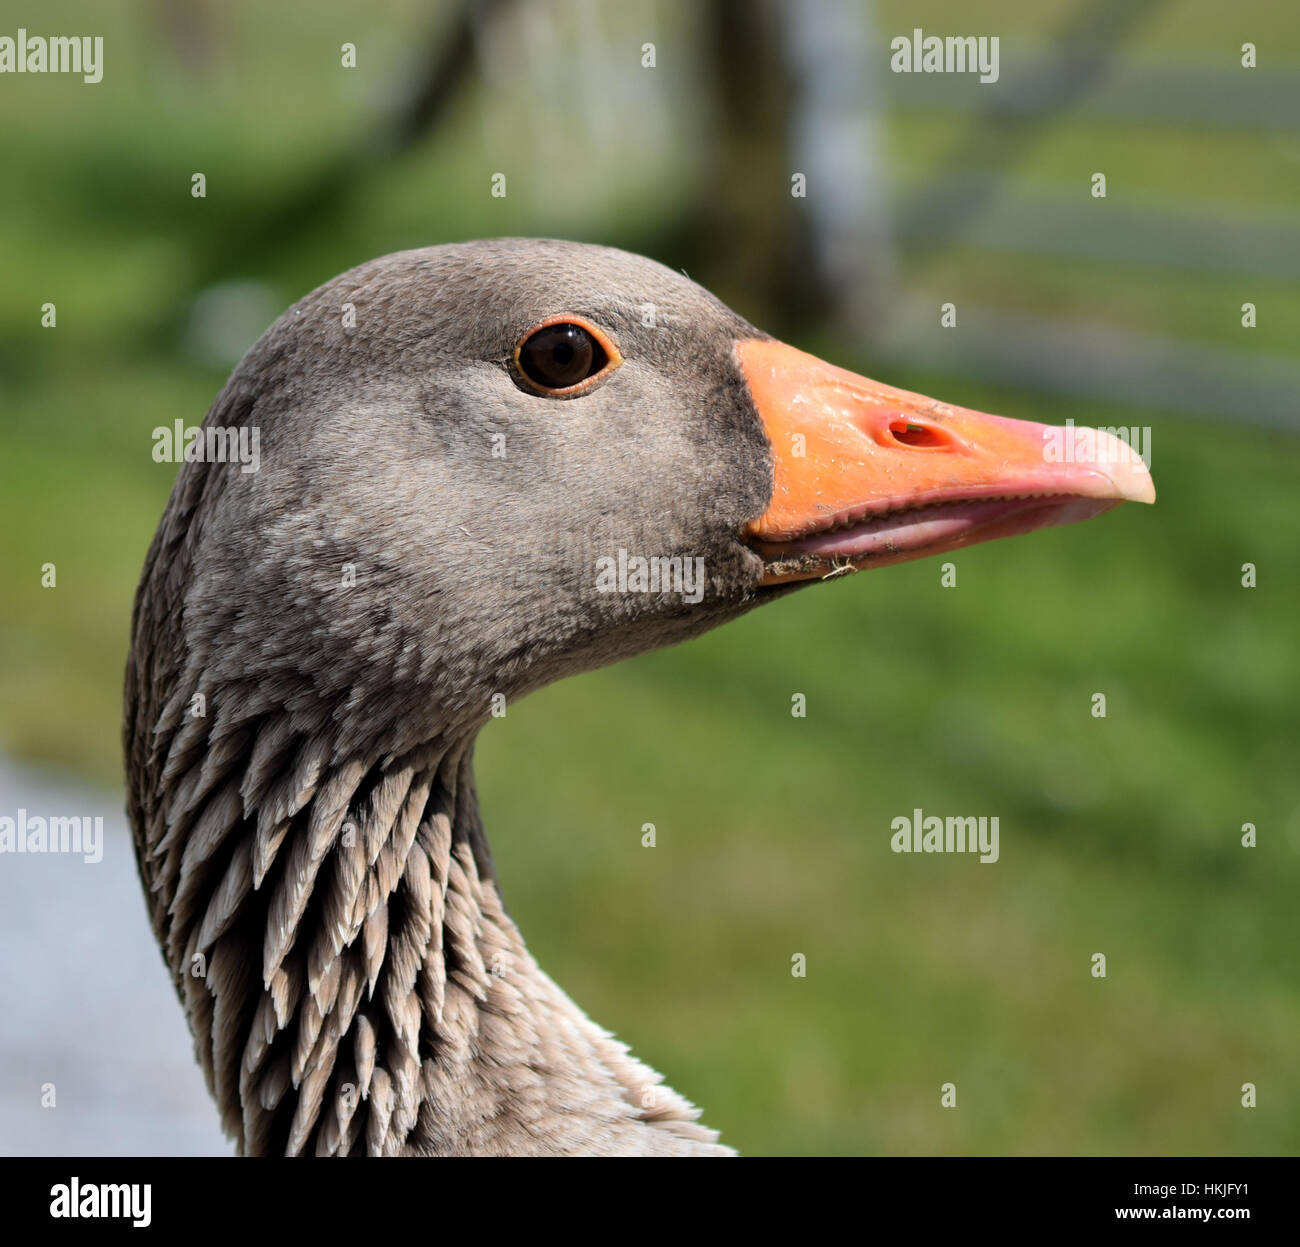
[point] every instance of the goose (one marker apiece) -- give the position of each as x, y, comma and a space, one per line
483, 467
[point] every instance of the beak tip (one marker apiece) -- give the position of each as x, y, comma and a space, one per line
1133, 482
1127, 470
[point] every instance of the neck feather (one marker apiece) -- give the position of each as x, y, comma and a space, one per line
352, 980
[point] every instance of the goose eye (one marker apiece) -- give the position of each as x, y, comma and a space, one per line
564, 356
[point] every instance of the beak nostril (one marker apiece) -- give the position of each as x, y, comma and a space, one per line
917, 436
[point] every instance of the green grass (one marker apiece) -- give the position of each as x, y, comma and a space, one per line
1118, 835
1204, 309
1204, 170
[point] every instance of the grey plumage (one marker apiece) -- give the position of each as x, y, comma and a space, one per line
311, 848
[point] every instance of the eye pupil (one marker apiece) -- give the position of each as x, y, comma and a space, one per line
557, 357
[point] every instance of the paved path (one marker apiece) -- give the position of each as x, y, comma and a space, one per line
86, 1002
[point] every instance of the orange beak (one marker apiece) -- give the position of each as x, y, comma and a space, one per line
867, 475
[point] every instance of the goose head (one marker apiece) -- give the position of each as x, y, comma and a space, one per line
482, 467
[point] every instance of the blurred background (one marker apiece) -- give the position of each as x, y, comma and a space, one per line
1119, 835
